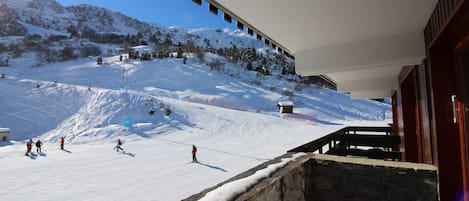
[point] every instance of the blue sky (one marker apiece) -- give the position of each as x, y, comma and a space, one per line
167, 13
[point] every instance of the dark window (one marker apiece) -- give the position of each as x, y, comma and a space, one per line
240, 25
250, 31
227, 18
198, 2
213, 9
259, 37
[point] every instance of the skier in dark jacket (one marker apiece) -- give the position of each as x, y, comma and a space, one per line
118, 146
194, 152
38, 146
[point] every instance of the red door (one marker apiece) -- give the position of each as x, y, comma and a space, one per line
461, 111
448, 58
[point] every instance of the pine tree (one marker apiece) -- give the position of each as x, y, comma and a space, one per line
99, 60
199, 53
179, 52
249, 66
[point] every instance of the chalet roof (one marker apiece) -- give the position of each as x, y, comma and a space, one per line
4, 129
285, 103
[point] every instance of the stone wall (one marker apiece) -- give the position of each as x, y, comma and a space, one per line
334, 178
317, 177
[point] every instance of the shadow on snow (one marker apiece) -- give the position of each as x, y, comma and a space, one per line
211, 166
128, 153
67, 151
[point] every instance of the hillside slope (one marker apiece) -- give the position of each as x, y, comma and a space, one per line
89, 100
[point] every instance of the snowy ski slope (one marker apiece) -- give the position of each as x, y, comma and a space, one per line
233, 123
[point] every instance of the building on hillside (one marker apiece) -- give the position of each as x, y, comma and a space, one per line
4, 134
285, 107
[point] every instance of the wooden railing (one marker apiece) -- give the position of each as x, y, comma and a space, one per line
370, 142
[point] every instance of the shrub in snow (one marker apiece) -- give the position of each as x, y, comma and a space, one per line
90, 50
215, 65
68, 53
99, 60
200, 54
16, 50
249, 66
167, 111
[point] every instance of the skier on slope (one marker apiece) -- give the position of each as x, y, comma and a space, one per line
62, 141
118, 146
29, 146
38, 146
194, 152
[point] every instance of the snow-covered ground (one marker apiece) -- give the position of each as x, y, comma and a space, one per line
233, 123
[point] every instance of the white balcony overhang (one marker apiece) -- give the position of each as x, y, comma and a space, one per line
342, 39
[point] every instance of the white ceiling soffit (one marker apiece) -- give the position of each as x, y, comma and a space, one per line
330, 36
398, 50
376, 82
300, 25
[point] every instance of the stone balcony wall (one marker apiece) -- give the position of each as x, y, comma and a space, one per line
317, 177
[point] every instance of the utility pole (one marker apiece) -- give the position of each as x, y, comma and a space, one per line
127, 121
126, 86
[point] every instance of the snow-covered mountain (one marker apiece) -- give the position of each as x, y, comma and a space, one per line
46, 32
84, 23
48, 17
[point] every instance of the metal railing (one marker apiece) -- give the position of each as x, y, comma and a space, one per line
370, 142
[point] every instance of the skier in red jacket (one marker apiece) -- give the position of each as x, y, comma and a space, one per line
118, 146
194, 152
62, 141
29, 146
